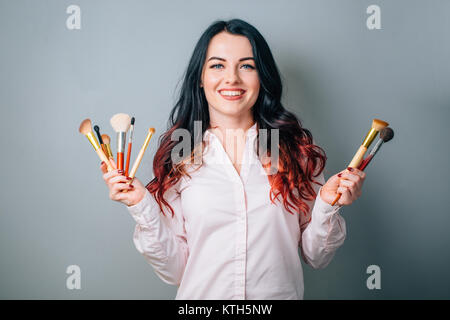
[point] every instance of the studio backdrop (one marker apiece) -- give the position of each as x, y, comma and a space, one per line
343, 63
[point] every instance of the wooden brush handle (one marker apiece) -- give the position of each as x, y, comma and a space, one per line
103, 157
353, 164
358, 157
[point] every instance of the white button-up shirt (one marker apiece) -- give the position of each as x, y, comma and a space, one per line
227, 240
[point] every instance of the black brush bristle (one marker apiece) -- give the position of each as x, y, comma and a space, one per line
132, 120
386, 134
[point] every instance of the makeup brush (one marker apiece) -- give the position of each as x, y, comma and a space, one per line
120, 123
377, 125
107, 140
140, 155
100, 140
386, 135
86, 129
130, 142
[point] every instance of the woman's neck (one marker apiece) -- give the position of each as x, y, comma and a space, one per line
222, 123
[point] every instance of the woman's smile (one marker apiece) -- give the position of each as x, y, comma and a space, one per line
232, 94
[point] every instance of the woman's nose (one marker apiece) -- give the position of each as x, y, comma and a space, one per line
232, 76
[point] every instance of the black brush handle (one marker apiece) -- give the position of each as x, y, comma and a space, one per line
97, 130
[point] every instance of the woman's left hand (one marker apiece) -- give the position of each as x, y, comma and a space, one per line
348, 183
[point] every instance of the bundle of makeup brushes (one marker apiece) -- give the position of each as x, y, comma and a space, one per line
386, 134
121, 123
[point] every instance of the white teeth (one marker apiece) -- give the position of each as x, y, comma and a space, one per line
231, 93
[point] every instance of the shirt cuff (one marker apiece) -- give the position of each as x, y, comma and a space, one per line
144, 211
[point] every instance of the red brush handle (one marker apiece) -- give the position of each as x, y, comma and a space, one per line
128, 159
365, 163
120, 160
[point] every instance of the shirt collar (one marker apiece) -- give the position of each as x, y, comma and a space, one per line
251, 132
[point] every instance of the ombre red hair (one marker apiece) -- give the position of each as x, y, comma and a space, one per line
299, 162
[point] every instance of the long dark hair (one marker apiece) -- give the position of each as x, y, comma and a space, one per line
299, 159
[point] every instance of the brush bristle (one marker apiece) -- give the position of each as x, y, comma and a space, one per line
106, 139
85, 126
96, 128
379, 124
132, 120
386, 134
120, 122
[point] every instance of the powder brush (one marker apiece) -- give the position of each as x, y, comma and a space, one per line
106, 141
386, 135
86, 129
377, 125
121, 123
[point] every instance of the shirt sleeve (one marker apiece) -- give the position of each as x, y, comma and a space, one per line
325, 232
161, 239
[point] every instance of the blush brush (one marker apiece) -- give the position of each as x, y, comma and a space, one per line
106, 141
86, 129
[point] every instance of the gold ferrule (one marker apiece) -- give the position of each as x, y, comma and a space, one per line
369, 137
93, 140
147, 139
108, 149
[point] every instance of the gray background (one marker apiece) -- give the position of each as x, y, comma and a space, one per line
129, 56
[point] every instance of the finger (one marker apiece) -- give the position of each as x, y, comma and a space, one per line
107, 176
347, 183
103, 167
125, 196
350, 177
118, 179
118, 188
346, 196
357, 172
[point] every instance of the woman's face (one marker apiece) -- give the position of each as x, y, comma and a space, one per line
229, 78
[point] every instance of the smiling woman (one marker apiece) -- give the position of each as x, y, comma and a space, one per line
231, 230
230, 80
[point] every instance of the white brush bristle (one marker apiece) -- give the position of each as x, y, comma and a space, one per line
120, 122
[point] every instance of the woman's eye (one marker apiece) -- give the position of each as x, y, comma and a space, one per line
248, 66
216, 66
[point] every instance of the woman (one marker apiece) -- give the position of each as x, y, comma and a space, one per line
229, 227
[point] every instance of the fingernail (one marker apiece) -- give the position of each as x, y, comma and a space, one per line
350, 169
121, 171
103, 162
340, 175
128, 178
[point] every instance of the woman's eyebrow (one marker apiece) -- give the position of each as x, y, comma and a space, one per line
217, 58
222, 59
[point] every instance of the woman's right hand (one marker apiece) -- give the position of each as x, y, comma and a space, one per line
117, 182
